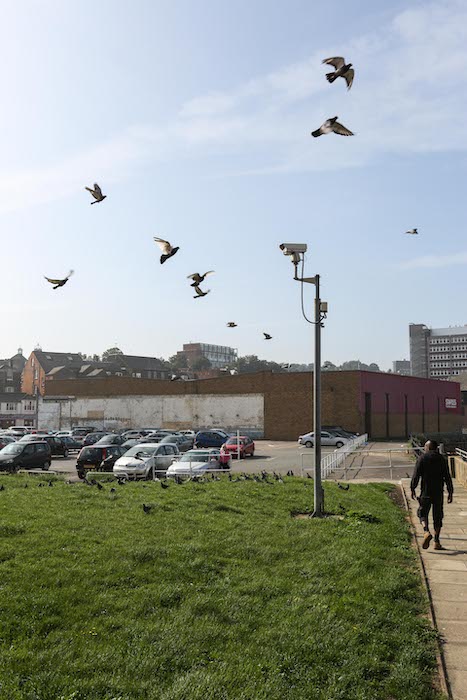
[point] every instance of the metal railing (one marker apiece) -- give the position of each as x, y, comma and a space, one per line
332, 461
461, 453
350, 463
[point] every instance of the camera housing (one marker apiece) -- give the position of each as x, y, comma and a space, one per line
293, 248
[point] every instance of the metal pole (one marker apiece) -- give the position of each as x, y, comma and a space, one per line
319, 496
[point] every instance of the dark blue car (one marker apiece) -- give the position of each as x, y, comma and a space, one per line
210, 438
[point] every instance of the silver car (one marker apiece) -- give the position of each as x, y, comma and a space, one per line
326, 439
142, 460
197, 462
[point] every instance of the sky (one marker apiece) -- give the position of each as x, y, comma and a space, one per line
195, 120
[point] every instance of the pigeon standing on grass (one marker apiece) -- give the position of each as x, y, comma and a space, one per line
343, 70
167, 250
197, 278
96, 193
59, 283
332, 125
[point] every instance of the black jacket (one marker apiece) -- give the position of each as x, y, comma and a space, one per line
432, 469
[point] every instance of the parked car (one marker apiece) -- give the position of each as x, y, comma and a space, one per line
71, 443
210, 438
196, 462
244, 443
98, 458
18, 430
25, 455
57, 445
337, 430
112, 439
326, 439
92, 438
6, 440
183, 442
140, 460
82, 430
190, 433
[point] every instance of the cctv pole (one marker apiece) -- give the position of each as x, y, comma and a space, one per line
318, 489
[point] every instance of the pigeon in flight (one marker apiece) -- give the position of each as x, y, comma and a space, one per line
343, 70
231, 324
199, 292
96, 193
332, 125
167, 250
59, 283
413, 232
197, 278
267, 336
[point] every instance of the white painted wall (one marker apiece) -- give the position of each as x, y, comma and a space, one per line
230, 411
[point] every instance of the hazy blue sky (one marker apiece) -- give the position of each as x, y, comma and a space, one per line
195, 119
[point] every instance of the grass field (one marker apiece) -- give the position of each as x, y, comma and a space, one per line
218, 593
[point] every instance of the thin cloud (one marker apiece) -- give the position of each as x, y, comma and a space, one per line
427, 261
410, 83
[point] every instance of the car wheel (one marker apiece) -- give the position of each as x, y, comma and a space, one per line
252, 454
65, 454
81, 474
339, 444
149, 475
308, 443
46, 466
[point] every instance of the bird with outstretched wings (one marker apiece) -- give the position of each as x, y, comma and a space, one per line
167, 249
96, 193
59, 283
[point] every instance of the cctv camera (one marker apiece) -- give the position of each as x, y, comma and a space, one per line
293, 248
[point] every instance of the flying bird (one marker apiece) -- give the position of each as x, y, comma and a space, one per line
231, 324
96, 193
267, 336
413, 232
197, 278
332, 125
343, 70
199, 292
59, 283
167, 250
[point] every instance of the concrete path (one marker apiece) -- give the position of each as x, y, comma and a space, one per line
446, 573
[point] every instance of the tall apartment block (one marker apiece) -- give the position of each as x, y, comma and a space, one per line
437, 353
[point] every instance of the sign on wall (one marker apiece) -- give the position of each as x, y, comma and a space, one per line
450, 403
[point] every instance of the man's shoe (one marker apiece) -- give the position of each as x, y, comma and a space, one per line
426, 540
438, 545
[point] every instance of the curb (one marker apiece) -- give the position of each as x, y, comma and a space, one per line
440, 659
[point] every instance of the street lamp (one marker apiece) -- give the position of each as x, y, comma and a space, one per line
296, 251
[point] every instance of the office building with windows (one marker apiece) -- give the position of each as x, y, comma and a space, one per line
437, 353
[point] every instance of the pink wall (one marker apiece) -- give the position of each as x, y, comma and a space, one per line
379, 384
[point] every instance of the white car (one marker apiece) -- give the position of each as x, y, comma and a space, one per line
141, 459
189, 433
196, 462
326, 439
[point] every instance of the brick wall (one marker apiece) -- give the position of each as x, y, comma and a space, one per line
288, 398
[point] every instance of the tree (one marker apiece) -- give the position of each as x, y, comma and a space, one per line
201, 363
178, 361
328, 366
110, 354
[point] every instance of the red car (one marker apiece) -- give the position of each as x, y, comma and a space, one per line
246, 444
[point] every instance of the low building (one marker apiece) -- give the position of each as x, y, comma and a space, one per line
401, 367
274, 405
39, 364
10, 373
218, 355
17, 409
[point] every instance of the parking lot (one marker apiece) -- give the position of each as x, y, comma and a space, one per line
375, 461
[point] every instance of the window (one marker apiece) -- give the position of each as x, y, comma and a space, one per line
36, 374
11, 406
29, 405
9, 390
41, 447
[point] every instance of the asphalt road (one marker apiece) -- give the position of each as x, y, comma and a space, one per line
374, 461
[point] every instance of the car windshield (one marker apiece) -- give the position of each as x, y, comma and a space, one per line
141, 450
13, 448
198, 457
233, 441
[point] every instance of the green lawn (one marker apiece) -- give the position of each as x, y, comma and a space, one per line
218, 593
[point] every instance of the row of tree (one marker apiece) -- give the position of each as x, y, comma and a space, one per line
249, 363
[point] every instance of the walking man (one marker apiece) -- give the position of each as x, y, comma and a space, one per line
433, 471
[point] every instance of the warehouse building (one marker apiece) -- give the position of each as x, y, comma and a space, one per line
274, 405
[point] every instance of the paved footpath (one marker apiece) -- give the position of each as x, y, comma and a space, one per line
446, 572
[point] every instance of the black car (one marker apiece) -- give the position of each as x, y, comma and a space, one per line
71, 443
25, 455
92, 438
98, 458
56, 444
